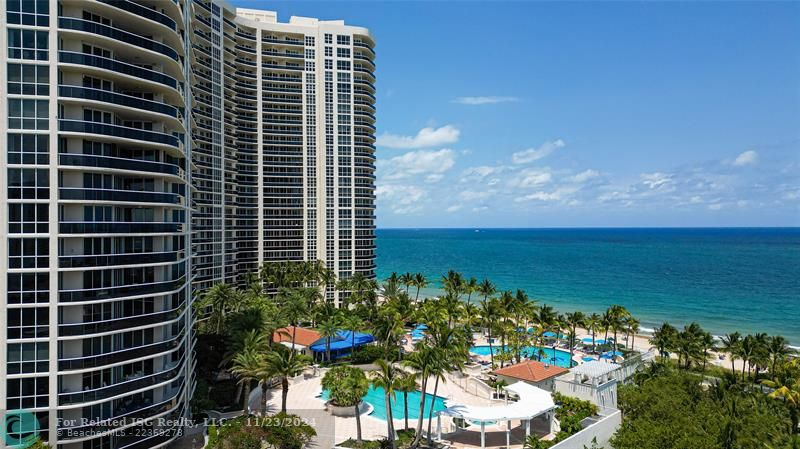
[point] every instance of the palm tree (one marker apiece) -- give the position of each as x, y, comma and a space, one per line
545, 318
388, 378
617, 314
294, 306
731, 344
593, 324
407, 279
247, 366
747, 351
406, 384
353, 323
453, 283
421, 361
778, 349
329, 329
489, 312
574, 320
470, 287
707, 344
786, 386
487, 289
664, 339
283, 365
347, 385
420, 282
631, 329
219, 300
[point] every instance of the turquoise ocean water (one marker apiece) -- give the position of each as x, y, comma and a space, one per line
725, 279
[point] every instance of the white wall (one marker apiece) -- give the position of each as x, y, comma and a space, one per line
602, 430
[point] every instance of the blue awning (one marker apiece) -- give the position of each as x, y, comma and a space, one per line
343, 340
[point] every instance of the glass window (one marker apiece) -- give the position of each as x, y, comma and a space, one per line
28, 218
28, 79
28, 183
27, 358
28, 149
28, 322
24, 113
28, 12
28, 253
27, 44
28, 288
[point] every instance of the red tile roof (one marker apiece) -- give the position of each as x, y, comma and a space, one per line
305, 337
531, 371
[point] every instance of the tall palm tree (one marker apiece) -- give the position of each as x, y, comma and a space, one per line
421, 361
618, 314
489, 313
593, 324
388, 378
778, 349
731, 344
219, 300
747, 351
406, 384
487, 289
545, 318
353, 323
631, 329
453, 283
328, 330
470, 287
786, 386
347, 386
574, 320
707, 344
283, 365
247, 366
294, 306
664, 339
420, 282
407, 279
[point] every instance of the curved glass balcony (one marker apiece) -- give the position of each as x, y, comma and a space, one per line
88, 160
114, 227
71, 57
70, 23
118, 259
142, 11
87, 194
95, 361
119, 99
96, 294
124, 416
120, 388
81, 126
70, 330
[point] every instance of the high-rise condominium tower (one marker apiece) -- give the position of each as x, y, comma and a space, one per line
148, 150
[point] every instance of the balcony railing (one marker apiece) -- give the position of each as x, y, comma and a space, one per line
117, 34
142, 11
119, 356
84, 261
97, 294
89, 194
71, 57
119, 99
90, 160
82, 126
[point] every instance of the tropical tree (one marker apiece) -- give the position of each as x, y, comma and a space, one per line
471, 286
406, 383
347, 385
489, 313
218, 301
574, 320
328, 330
731, 344
353, 323
388, 378
247, 367
778, 349
707, 344
487, 289
283, 365
786, 387
420, 282
407, 279
593, 325
422, 361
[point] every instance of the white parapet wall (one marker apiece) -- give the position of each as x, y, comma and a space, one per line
598, 433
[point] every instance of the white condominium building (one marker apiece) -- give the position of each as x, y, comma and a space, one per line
150, 149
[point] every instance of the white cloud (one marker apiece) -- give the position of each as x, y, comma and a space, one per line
480, 208
430, 163
715, 206
561, 193
583, 176
484, 100
696, 199
749, 157
402, 199
534, 154
471, 195
656, 180
453, 208
531, 178
425, 138
434, 178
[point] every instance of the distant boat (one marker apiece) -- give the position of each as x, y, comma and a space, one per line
477, 230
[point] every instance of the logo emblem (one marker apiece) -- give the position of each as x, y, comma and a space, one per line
21, 429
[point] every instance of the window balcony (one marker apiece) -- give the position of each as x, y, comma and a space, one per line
120, 356
99, 294
89, 160
120, 99
86, 261
142, 11
70, 23
89, 194
71, 57
107, 129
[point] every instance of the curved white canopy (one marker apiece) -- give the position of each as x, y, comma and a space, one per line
532, 402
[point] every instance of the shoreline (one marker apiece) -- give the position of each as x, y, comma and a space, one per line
646, 328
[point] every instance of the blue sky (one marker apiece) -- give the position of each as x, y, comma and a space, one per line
538, 114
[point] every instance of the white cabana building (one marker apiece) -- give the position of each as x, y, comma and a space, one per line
532, 402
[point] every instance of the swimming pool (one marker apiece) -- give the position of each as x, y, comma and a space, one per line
375, 397
554, 356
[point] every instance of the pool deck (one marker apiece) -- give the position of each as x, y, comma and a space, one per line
304, 402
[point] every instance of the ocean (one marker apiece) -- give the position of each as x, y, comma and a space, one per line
726, 279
